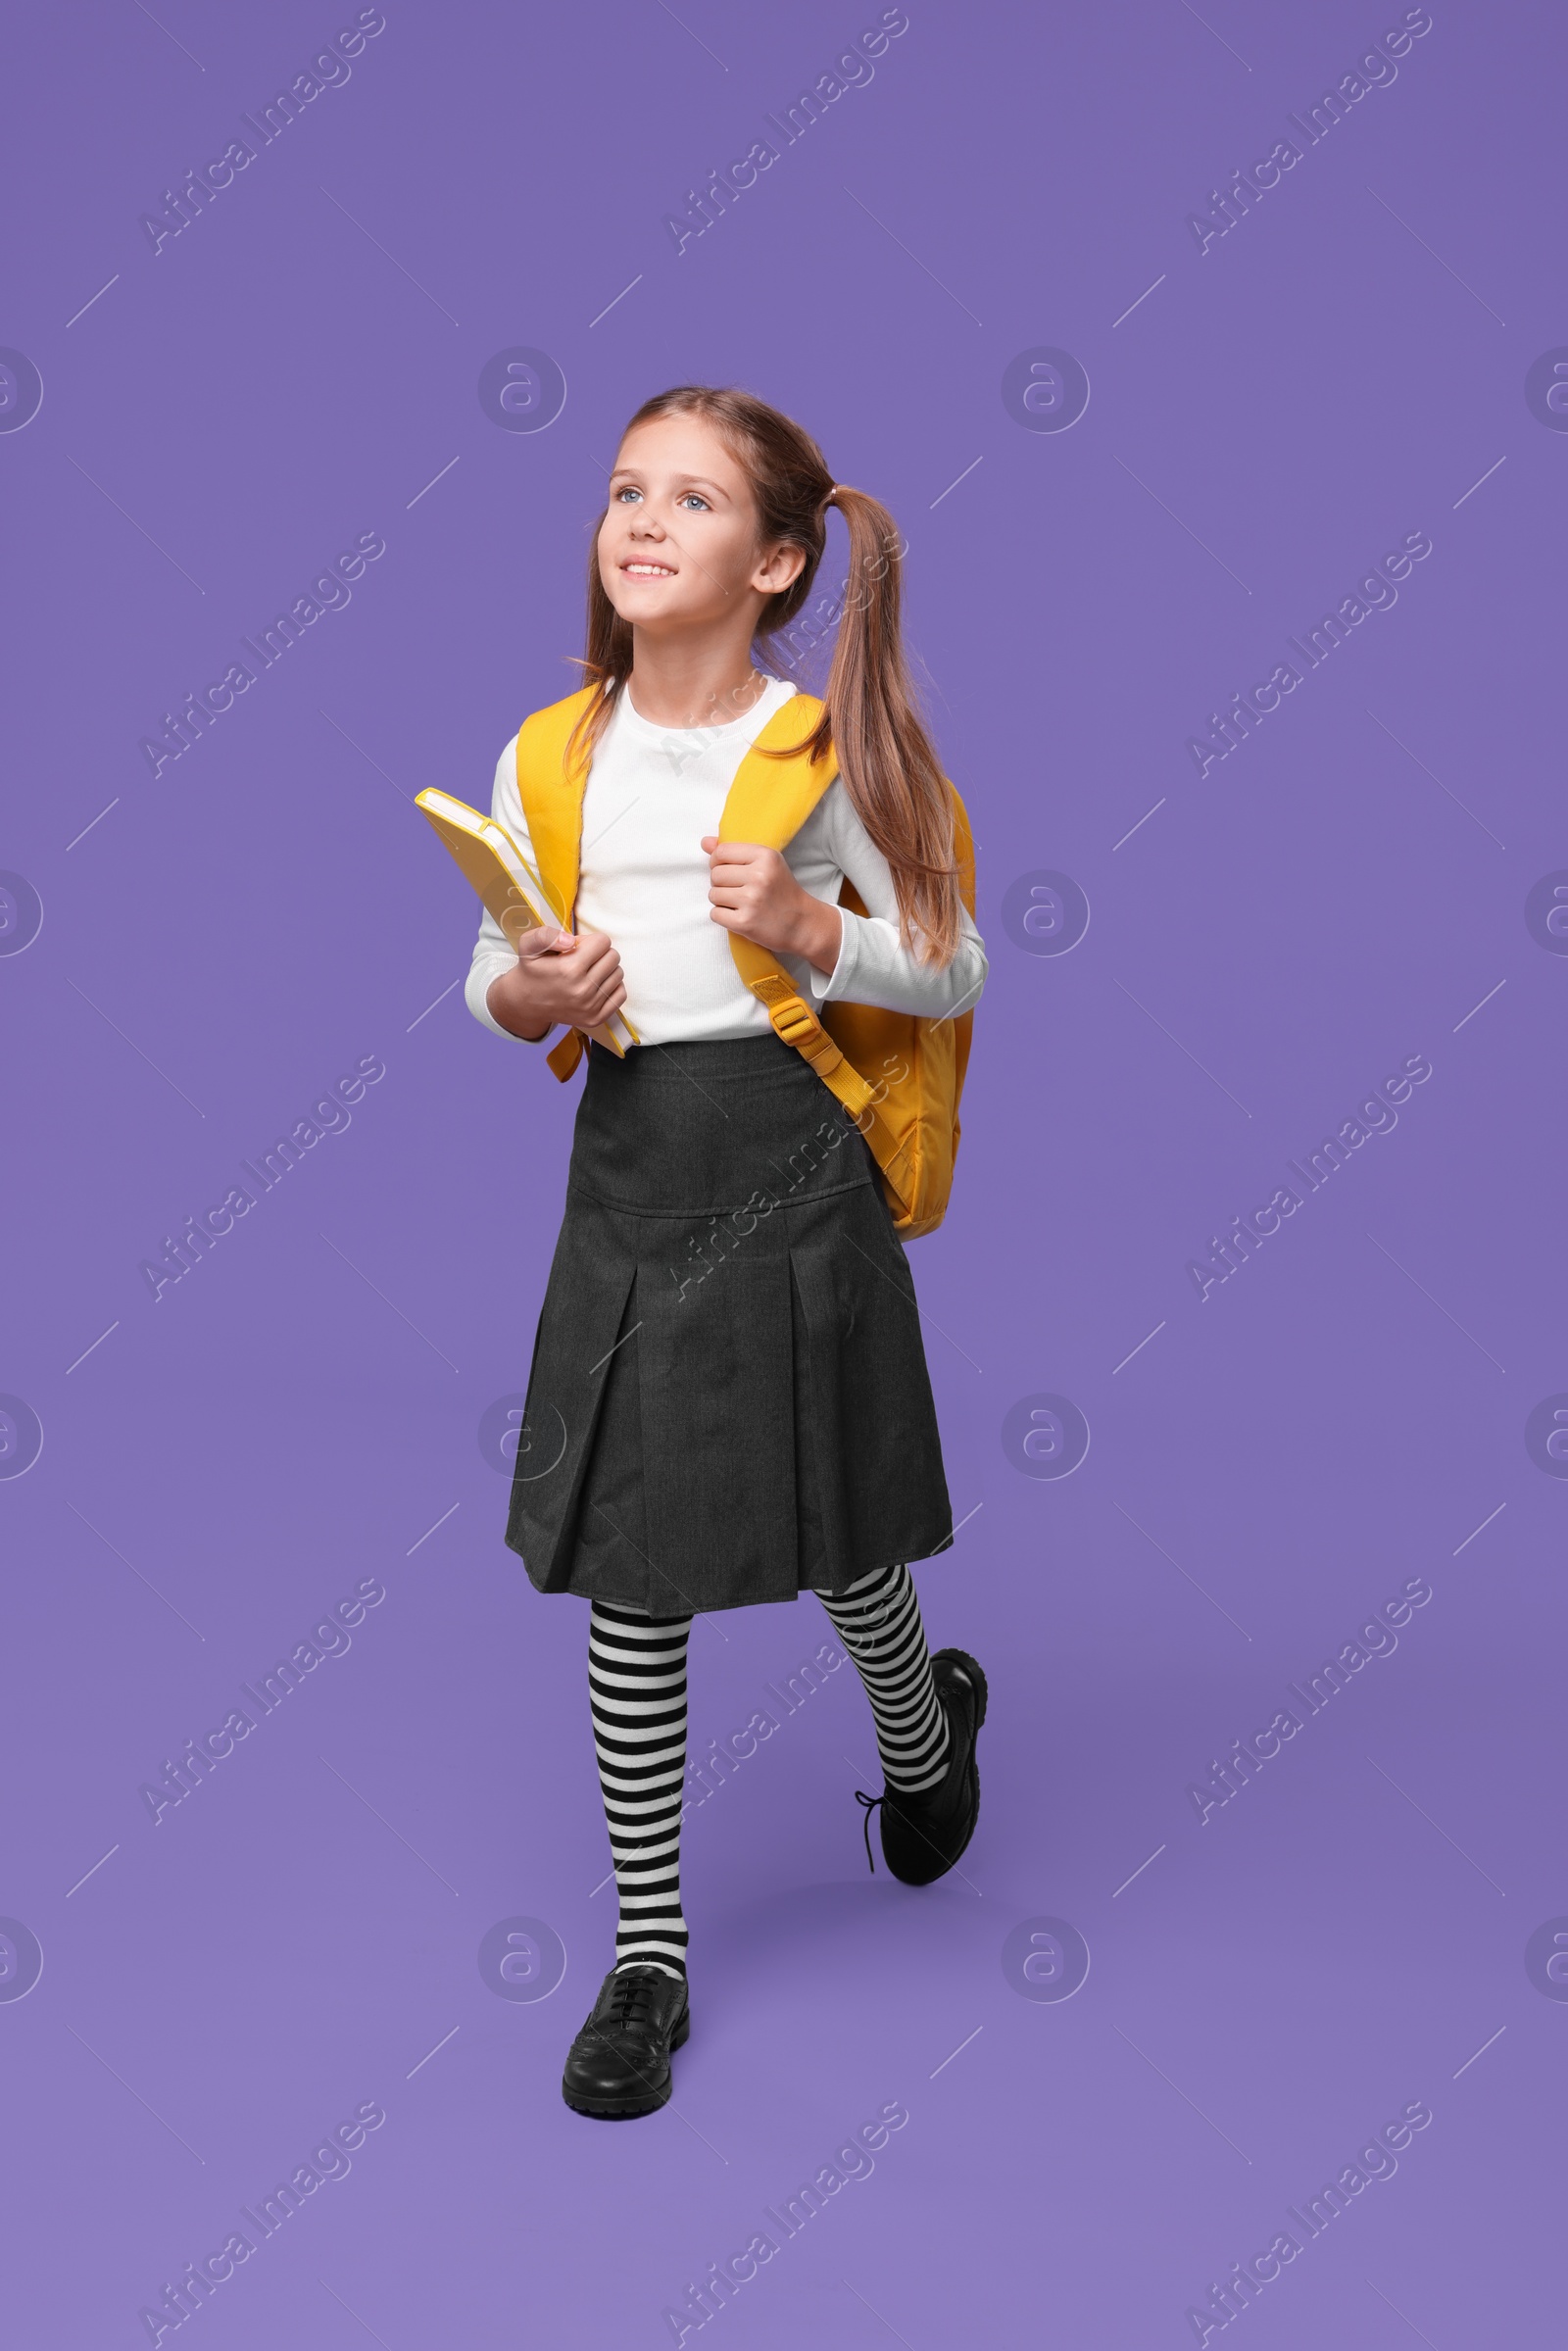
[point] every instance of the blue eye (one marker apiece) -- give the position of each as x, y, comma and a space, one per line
687, 497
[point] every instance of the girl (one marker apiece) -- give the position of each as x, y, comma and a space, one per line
707, 1436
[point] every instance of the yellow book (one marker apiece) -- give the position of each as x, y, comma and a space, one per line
506, 883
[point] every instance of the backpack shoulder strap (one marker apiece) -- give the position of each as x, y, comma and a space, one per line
552, 796
768, 802
770, 798
552, 803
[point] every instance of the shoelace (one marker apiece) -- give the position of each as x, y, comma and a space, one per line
870, 1803
632, 1998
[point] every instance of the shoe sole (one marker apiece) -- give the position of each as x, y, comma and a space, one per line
621, 2109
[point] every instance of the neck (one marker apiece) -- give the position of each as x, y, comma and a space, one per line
685, 683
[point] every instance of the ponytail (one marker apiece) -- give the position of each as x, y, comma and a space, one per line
885, 759
889, 769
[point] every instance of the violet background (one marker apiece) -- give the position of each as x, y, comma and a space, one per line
302, 1410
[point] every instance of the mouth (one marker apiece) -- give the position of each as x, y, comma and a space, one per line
646, 570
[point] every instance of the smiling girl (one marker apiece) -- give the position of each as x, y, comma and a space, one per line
708, 1430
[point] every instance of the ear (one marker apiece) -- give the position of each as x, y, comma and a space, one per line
778, 570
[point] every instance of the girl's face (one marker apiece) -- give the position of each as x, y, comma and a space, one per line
678, 545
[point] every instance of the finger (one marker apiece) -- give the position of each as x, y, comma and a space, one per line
594, 947
603, 983
600, 949
533, 944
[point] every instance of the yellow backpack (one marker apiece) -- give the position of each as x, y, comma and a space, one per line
906, 1103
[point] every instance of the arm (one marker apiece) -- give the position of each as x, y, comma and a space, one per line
874, 966
549, 976
494, 956
753, 891
854, 959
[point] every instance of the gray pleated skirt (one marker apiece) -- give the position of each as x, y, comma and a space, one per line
728, 1400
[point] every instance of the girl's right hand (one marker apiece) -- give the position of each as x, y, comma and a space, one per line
558, 976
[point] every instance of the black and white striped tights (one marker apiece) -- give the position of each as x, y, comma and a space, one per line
637, 1689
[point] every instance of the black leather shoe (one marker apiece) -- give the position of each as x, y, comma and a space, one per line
618, 2065
923, 1835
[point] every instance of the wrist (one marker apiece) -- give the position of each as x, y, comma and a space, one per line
819, 935
520, 1020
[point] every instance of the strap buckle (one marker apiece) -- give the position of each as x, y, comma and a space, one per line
794, 1021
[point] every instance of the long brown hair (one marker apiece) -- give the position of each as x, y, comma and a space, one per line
885, 759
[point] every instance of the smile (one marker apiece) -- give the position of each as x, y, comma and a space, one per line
649, 570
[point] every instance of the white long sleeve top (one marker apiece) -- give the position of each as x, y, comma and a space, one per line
651, 794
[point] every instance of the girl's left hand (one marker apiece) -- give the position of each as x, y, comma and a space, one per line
753, 891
